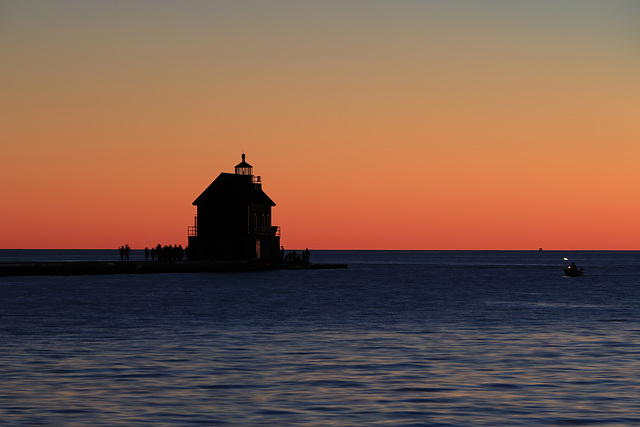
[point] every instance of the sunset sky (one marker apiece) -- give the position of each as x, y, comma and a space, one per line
373, 124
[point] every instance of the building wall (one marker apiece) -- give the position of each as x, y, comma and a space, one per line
217, 221
231, 232
259, 217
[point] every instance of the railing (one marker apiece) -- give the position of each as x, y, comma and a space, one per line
266, 231
192, 230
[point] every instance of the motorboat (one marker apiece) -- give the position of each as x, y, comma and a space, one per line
573, 271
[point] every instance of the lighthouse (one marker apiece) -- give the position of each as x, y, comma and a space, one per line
233, 220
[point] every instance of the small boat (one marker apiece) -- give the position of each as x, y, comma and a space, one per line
573, 271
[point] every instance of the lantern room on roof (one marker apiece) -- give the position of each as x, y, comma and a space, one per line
233, 219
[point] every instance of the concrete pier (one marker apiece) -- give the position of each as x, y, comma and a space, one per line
144, 267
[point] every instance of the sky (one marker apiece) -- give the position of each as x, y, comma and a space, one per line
489, 124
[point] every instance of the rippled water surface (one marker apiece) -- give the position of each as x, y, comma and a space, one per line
398, 339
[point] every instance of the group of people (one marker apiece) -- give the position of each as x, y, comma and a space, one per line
177, 253
294, 258
165, 253
159, 253
124, 252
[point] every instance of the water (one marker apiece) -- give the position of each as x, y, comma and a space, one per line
401, 338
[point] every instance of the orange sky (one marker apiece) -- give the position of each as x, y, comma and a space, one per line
374, 125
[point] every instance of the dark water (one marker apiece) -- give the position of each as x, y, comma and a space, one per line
398, 339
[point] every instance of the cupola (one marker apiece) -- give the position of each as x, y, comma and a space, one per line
244, 168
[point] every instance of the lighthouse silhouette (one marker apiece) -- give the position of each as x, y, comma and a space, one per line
233, 220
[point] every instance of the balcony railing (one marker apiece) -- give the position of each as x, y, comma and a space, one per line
192, 230
266, 231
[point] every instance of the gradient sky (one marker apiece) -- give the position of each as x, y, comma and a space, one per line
374, 124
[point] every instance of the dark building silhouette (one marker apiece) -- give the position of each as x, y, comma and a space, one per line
233, 220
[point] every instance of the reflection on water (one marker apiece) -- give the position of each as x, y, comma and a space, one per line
372, 345
327, 378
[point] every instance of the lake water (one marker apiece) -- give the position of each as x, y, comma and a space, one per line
400, 338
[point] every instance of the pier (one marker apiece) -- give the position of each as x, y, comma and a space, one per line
88, 268
232, 232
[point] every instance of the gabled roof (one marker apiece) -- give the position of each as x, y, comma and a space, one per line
232, 188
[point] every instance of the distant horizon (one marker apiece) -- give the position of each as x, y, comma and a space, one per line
362, 250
